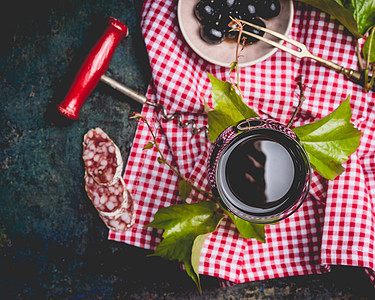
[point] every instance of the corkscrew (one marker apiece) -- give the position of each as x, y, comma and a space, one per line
92, 71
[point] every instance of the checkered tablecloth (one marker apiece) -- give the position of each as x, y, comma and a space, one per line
334, 226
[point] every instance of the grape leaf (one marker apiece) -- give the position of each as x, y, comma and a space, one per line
369, 47
364, 13
356, 15
149, 146
249, 230
184, 188
196, 254
329, 141
337, 10
229, 108
183, 225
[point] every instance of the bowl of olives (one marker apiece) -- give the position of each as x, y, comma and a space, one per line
205, 27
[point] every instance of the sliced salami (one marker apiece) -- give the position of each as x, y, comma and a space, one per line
103, 183
102, 157
122, 220
106, 198
114, 203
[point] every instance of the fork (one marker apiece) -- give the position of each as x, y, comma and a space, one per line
303, 52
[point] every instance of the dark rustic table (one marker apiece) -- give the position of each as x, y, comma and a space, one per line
52, 242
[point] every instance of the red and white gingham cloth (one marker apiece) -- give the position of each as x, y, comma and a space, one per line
334, 226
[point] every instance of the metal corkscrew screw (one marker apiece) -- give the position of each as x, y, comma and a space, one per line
92, 71
143, 100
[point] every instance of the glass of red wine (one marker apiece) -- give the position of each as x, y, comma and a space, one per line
259, 171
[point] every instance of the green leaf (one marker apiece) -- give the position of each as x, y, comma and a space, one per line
364, 13
233, 66
329, 141
337, 10
247, 229
149, 146
356, 15
369, 47
182, 225
229, 108
195, 256
184, 188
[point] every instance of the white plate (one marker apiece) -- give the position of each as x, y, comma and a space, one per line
223, 54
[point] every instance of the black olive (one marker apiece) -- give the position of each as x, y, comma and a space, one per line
228, 4
223, 25
212, 33
206, 12
268, 8
215, 16
224, 21
237, 12
247, 8
256, 21
251, 10
232, 35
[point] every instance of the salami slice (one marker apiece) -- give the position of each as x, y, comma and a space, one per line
106, 198
103, 183
102, 157
114, 203
122, 220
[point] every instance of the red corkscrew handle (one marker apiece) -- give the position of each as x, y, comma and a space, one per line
94, 66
